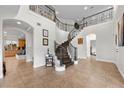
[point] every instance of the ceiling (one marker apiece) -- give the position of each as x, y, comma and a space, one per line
14, 23
14, 27
13, 33
9, 10
76, 12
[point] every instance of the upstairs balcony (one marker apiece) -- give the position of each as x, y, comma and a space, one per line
49, 12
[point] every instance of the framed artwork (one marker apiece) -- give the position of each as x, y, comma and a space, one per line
80, 41
121, 31
45, 41
45, 33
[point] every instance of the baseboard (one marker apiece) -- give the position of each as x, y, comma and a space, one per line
29, 60
36, 66
122, 74
104, 60
83, 58
1, 76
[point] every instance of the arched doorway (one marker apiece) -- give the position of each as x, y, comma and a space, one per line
18, 37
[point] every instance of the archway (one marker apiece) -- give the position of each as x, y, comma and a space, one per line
23, 33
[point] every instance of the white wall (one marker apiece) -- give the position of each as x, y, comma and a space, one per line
61, 35
104, 41
119, 58
88, 45
29, 46
38, 49
81, 49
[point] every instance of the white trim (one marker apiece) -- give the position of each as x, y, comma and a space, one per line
82, 58
60, 68
76, 62
28, 60
104, 60
36, 66
20, 57
122, 74
1, 76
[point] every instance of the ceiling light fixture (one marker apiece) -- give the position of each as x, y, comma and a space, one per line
85, 8
18, 22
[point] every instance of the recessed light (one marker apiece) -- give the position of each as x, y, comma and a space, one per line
19, 22
85, 8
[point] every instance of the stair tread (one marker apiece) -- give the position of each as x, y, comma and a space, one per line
66, 58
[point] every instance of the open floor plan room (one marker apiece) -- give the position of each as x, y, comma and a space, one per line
61, 46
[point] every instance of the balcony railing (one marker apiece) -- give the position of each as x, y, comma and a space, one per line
49, 12
100, 17
43, 10
63, 26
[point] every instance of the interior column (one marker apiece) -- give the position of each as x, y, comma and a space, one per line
29, 47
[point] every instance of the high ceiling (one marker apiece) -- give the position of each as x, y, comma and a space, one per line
9, 10
75, 12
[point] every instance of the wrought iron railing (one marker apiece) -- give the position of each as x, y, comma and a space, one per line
99, 17
63, 26
49, 12
72, 34
43, 10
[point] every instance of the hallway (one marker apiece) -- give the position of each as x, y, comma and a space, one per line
88, 73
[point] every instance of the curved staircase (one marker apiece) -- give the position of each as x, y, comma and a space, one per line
66, 52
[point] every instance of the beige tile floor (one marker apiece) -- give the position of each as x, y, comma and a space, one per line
88, 73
